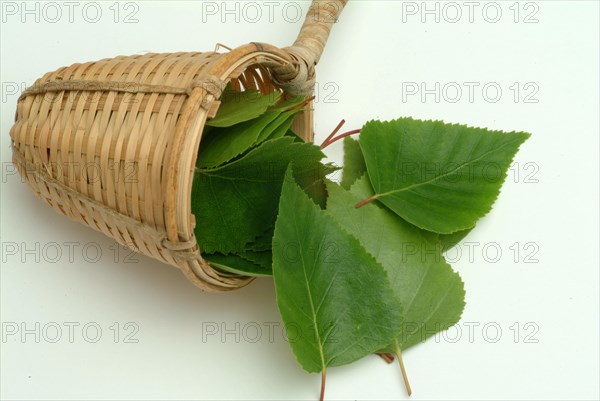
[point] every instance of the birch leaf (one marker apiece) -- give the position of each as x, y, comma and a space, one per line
439, 177
237, 107
237, 202
431, 293
354, 163
335, 299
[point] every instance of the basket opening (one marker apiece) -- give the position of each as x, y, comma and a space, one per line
255, 77
258, 77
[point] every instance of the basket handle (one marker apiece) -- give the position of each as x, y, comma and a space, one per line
298, 78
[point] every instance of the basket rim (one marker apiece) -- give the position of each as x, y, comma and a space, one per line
179, 219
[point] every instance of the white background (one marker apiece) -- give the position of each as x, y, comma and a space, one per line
550, 209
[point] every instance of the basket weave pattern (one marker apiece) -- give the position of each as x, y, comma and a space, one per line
112, 144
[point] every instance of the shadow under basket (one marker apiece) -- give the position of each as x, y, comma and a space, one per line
113, 144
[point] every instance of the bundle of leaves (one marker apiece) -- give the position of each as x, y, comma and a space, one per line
241, 167
358, 266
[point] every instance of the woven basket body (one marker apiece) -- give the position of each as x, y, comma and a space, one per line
113, 143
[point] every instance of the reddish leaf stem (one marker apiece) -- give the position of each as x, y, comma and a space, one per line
337, 138
323, 380
308, 100
302, 105
368, 200
335, 131
389, 358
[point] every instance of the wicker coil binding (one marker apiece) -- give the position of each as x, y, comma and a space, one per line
113, 143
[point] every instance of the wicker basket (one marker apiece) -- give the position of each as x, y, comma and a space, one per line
113, 143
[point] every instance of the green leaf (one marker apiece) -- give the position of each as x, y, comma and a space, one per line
448, 241
295, 104
263, 242
224, 144
363, 186
220, 145
431, 293
237, 107
334, 298
313, 182
354, 163
262, 258
283, 128
440, 177
237, 202
275, 128
236, 264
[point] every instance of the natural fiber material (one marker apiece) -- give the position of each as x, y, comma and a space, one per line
113, 143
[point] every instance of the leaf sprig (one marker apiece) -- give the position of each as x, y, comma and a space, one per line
358, 266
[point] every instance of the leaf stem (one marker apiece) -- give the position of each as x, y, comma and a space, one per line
337, 138
335, 131
368, 200
300, 106
389, 358
323, 380
404, 375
